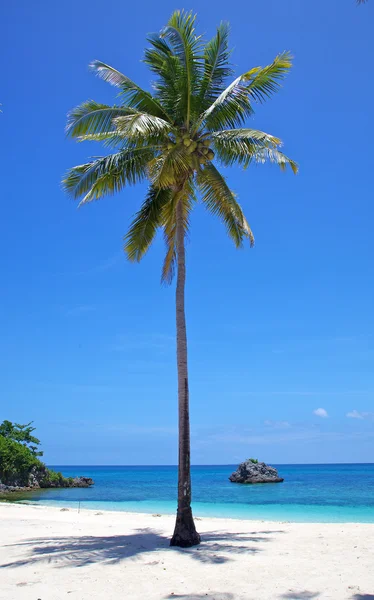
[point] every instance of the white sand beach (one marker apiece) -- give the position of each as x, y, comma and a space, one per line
49, 554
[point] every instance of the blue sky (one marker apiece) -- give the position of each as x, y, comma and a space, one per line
275, 333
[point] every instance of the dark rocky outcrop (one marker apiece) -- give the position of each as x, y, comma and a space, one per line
251, 471
82, 482
42, 477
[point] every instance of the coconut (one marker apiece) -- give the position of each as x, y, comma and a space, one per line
187, 142
186, 136
178, 139
210, 155
206, 143
205, 150
170, 146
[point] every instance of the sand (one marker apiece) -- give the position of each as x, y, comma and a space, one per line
49, 554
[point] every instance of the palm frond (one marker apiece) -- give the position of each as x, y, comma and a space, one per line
221, 201
144, 226
234, 105
230, 109
276, 157
240, 145
142, 125
253, 135
216, 65
91, 118
109, 139
185, 45
107, 175
262, 82
186, 196
171, 82
133, 95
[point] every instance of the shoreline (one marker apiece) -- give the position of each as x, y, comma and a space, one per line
73, 506
48, 552
129, 513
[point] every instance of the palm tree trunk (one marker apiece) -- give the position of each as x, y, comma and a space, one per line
185, 534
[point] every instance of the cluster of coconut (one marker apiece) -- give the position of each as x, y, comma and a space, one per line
201, 148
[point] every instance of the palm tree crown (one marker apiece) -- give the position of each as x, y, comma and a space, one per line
174, 136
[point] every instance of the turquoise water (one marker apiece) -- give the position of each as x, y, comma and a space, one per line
310, 493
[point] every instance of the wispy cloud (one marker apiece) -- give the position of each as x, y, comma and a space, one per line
117, 428
321, 412
141, 429
268, 437
325, 393
356, 414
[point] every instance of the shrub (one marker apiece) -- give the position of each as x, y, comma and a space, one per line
253, 460
19, 465
16, 462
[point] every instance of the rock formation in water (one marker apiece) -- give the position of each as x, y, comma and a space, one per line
252, 471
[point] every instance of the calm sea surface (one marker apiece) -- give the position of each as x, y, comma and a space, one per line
316, 493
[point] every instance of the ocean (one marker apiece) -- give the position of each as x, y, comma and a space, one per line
310, 493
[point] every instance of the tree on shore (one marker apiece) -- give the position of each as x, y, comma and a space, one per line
173, 138
21, 434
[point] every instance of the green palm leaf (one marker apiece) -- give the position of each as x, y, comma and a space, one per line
185, 45
276, 157
242, 146
91, 118
221, 201
170, 85
185, 196
216, 65
233, 105
142, 125
106, 175
133, 95
144, 226
262, 82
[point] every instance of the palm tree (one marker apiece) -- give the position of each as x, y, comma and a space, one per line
171, 138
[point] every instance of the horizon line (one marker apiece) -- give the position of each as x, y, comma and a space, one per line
214, 464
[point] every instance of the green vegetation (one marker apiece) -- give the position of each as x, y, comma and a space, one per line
22, 434
253, 460
19, 462
174, 138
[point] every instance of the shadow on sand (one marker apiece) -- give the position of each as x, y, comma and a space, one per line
363, 597
304, 595
77, 551
210, 596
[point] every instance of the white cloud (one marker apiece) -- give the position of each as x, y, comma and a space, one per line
321, 412
355, 414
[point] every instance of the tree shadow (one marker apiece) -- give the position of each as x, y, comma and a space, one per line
363, 597
210, 596
78, 551
303, 595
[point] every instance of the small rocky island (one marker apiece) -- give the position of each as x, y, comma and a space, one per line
252, 471
21, 469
